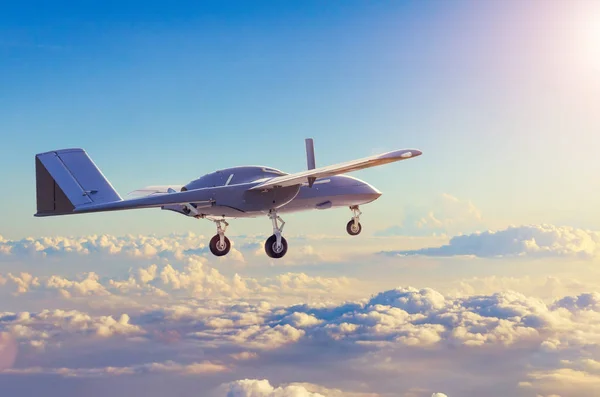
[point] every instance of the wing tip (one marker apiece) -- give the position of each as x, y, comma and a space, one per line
401, 154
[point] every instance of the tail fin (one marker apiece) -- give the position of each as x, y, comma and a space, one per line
67, 179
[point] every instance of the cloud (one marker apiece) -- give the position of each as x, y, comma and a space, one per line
171, 367
263, 388
55, 326
538, 241
194, 279
446, 215
580, 377
172, 246
162, 316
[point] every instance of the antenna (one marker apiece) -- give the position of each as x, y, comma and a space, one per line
310, 159
310, 154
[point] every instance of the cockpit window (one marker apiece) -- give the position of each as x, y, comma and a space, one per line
273, 171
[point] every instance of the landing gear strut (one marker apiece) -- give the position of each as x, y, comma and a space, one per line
276, 245
220, 245
354, 227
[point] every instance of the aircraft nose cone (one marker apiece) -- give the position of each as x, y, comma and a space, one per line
374, 193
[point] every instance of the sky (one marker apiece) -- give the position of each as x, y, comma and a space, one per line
487, 245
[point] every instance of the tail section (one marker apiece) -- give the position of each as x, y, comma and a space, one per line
67, 179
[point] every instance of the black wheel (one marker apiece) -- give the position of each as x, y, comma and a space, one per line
216, 248
273, 250
353, 229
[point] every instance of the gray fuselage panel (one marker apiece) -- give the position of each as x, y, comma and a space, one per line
239, 202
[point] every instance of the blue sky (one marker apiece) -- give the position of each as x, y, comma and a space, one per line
502, 98
501, 106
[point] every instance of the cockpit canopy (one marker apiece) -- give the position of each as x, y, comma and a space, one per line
233, 176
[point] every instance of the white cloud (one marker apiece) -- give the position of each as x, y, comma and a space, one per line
241, 356
56, 326
23, 282
263, 388
185, 309
88, 286
519, 241
205, 367
172, 246
581, 378
194, 279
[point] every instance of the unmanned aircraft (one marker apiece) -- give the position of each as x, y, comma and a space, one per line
68, 182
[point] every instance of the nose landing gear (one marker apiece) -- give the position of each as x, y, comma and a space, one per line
354, 227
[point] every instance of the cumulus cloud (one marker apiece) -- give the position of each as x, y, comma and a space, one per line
242, 332
400, 317
188, 277
519, 241
263, 388
55, 326
172, 246
186, 309
445, 215
23, 281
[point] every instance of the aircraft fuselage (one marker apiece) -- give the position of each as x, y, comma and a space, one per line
330, 192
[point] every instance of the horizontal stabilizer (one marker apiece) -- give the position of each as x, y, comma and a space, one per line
67, 179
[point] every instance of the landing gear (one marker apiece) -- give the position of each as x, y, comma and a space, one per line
275, 250
354, 227
276, 245
219, 248
220, 245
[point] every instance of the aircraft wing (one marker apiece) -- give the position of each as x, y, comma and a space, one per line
336, 169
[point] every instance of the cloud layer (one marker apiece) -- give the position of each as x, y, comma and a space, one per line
539, 241
173, 316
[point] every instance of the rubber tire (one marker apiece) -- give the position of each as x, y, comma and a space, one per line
349, 228
215, 250
271, 241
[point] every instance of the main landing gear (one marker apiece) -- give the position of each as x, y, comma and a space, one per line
276, 246
220, 245
354, 227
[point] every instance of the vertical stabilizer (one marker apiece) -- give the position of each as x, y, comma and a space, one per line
67, 179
